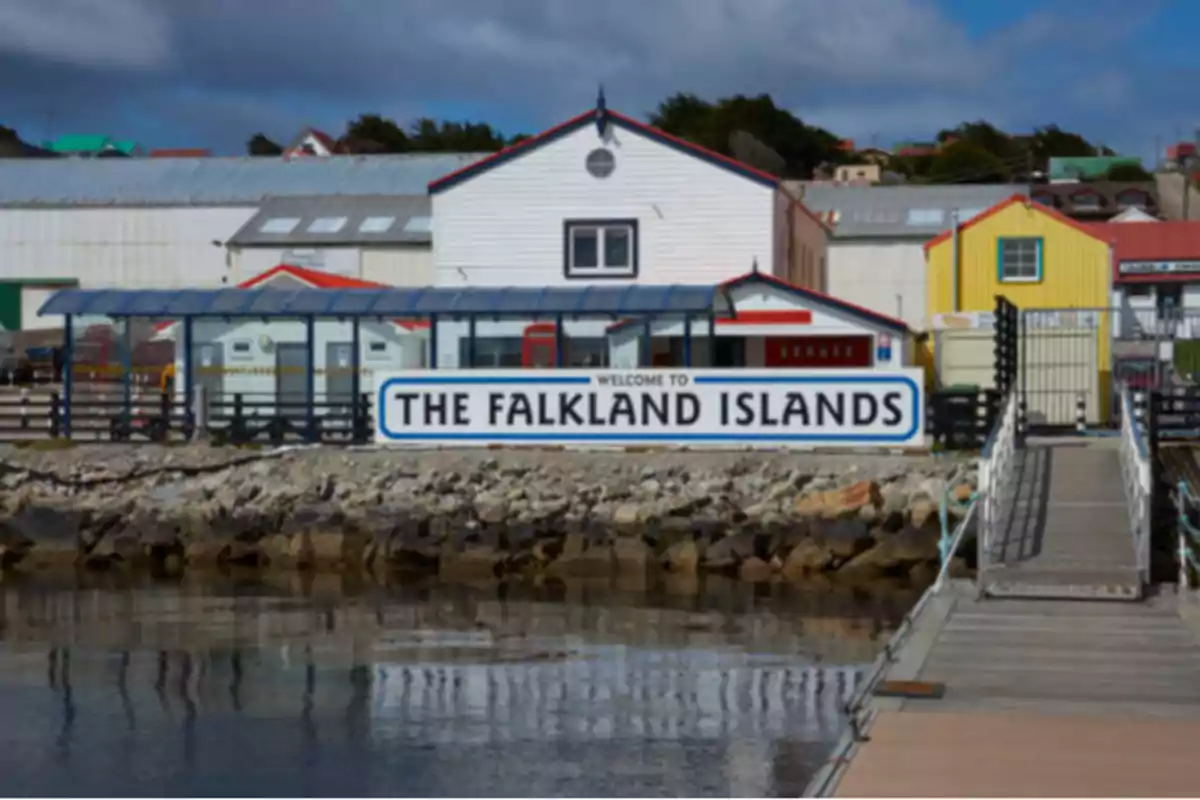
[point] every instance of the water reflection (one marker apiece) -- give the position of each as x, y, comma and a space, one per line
433, 691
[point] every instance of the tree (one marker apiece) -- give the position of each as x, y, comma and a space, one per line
260, 145
967, 162
1128, 172
983, 135
714, 125
390, 137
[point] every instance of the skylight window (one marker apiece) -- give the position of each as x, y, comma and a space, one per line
376, 224
280, 225
925, 216
418, 225
327, 225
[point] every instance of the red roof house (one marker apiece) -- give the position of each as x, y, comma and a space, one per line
1160, 253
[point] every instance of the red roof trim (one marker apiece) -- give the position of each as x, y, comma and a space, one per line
1082, 227
587, 117
317, 280
810, 295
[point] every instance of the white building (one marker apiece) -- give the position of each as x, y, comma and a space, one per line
876, 254
384, 239
605, 200
265, 360
142, 223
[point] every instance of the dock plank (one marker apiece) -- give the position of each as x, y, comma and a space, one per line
1048, 692
1023, 754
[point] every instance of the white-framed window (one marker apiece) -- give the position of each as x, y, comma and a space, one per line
600, 248
241, 350
1020, 260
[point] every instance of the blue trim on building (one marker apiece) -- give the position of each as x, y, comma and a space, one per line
1041, 248
610, 118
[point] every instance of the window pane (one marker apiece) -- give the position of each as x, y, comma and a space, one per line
587, 352
585, 249
616, 247
1019, 258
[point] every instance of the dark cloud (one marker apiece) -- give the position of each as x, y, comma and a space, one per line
213, 72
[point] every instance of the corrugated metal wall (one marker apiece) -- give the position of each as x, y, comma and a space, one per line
398, 266
1057, 367
884, 275
126, 247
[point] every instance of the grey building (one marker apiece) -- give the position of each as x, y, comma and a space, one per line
380, 238
876, 253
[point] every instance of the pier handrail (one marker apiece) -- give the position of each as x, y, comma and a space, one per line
994, 475
1138, 477
1186, 503
997, 479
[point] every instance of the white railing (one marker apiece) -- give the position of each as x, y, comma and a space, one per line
1137, 477
998, 480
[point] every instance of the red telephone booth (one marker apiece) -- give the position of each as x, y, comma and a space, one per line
539, 346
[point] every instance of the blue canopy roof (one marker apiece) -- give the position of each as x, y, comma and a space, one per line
597, 301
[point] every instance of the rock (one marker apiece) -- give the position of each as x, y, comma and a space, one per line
844, 539
962, 493
627, 514
730, 551
807, 557
682, 557
837, 503
755, 570
632, 553
582, 557
896, 554
922, 510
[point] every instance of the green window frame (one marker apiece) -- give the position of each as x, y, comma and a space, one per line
1020, 259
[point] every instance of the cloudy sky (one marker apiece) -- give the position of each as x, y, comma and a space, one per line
211, 72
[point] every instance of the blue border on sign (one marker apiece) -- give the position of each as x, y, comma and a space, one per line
461, 380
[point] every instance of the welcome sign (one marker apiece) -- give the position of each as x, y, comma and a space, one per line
755, 408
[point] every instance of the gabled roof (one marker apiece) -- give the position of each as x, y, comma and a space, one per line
1176, 240
808, 296
601, 116
1082, 227
893, 212
338, 220
327, 141
309, 277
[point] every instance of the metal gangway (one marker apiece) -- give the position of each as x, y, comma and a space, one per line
1027, 662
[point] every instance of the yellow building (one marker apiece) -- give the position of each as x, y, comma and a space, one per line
1058, 272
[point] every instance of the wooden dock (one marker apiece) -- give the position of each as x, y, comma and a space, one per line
1031, 686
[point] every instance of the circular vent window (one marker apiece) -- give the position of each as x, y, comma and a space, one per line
601, 163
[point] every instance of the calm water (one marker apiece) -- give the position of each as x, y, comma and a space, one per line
307, 690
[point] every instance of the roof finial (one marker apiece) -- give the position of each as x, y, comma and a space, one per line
754, 265
601, 111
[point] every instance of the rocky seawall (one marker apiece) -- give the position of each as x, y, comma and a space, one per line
477, 514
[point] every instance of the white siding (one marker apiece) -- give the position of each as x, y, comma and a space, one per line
253, 374
398, 266
32, 299
886, 276
698, 223
130, 248
253, 261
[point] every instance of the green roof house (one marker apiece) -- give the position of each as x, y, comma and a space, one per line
1087, 168
88, 145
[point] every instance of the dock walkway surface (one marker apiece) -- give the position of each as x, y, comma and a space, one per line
1053, 674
